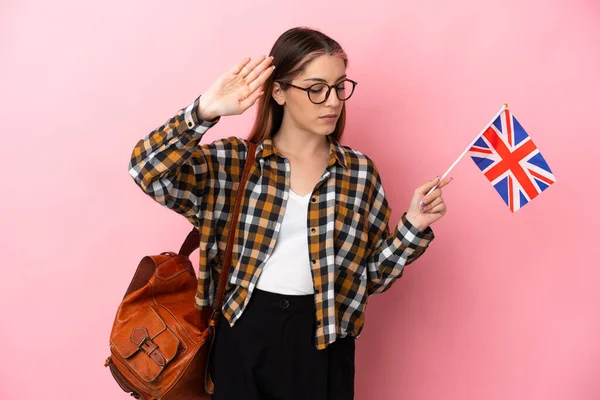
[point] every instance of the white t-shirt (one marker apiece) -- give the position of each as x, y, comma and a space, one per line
288, 269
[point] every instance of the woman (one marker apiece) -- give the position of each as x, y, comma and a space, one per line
313, 241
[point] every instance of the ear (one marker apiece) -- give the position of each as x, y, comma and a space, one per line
278, 94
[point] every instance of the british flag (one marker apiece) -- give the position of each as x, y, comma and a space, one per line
511, 161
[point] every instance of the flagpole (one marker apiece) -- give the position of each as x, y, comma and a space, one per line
504, 107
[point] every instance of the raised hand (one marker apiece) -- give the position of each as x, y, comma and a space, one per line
237, 89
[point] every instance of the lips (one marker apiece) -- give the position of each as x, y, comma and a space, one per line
329, 116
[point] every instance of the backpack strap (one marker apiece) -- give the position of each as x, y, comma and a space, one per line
192, 240
214, 319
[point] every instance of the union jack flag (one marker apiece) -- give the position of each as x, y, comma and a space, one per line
511, 161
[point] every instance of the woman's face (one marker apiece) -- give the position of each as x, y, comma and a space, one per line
321, 118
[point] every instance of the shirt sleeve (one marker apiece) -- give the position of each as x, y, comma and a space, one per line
390, 251
167, 165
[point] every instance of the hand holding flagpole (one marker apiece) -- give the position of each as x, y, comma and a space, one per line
504, 107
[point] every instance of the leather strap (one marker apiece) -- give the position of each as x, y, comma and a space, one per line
209, 385
214, 319
190, 243
142, 339
192, 240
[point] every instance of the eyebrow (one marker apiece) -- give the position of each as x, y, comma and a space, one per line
324, 80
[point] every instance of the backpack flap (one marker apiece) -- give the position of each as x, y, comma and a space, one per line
146, 345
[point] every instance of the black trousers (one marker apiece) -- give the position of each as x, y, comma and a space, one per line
270, 354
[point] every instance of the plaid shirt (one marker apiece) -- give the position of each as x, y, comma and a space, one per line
352, 251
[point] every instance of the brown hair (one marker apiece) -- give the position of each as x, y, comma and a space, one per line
292, 51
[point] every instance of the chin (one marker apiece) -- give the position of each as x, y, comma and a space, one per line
324, 130
323, 133
320, 131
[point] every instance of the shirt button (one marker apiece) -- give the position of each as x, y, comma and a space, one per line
284, 303
314, 199
319, 323
317, 291
314, 261
190, 124
313, 230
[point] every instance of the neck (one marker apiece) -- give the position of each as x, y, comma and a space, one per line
299, 143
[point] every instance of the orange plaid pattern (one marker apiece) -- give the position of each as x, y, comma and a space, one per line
352, 250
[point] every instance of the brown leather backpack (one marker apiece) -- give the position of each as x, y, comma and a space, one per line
160, 342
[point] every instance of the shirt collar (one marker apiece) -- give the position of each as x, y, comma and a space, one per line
337, 153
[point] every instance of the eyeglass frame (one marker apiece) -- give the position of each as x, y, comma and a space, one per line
329, 87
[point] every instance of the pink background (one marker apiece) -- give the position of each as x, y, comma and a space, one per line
502, 306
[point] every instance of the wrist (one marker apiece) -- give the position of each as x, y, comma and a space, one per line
204, 111
415, 221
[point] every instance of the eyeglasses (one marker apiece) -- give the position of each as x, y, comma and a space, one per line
319, 92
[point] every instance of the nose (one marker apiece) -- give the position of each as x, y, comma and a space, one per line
332, 100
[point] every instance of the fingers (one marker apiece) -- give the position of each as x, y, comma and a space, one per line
249, 67
431, 196
253, 91
258, 70
262, 78
426, 187
444, 182
239, 66
434, 203
440, 208
250, 100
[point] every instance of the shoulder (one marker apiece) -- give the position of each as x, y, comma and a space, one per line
230, 143
358, 161
227, 148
